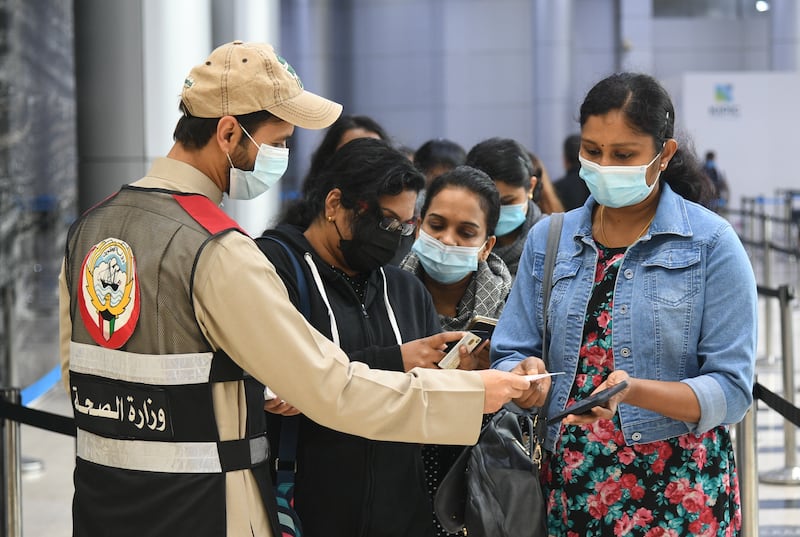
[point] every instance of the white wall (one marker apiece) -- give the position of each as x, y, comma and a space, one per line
752, 127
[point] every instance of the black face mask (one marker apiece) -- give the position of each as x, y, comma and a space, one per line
371, 247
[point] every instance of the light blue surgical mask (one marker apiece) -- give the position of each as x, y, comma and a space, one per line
445, 264
511, 217
271, 164
617, 186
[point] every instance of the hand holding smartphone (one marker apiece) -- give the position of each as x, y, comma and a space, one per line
584, 406
452, 359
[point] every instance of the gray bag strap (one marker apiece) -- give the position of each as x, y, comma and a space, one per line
553, 238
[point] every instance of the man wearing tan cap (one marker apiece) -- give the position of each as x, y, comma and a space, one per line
172, 321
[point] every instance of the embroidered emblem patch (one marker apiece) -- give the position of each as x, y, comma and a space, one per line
289, 69
109, 287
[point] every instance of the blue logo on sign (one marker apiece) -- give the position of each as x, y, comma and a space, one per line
724, 106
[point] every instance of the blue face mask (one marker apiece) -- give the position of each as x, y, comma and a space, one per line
617, 186
271, 164
445, 264
511, 217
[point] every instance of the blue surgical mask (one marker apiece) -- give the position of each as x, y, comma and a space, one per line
617, 186
445, 264
511, 217
271, 164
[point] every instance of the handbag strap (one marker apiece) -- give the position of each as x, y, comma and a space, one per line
551, 250
286, 463
553, 238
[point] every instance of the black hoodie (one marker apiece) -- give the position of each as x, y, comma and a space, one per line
346, 485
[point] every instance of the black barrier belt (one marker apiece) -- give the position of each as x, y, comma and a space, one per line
37, 418
777, 403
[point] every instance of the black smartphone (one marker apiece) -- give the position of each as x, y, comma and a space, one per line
584, 406
483, 334
481, 323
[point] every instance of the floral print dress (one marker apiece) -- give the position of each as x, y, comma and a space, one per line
598, 485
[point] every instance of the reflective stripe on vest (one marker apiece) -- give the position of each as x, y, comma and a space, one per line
171, 457
158, 369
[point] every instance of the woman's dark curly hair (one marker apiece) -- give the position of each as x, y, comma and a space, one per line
648, 109
364, 169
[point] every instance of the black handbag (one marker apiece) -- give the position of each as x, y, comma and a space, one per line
493, 489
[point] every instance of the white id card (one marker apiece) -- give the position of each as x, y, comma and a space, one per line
541, 376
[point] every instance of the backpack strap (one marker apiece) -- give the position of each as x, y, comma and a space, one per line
299, 277
286, 462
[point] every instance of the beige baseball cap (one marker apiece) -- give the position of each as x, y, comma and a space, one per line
240, 78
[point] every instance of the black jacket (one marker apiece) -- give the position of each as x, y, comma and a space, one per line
347, 485
571, 189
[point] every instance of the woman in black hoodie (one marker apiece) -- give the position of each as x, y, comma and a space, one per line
340, 237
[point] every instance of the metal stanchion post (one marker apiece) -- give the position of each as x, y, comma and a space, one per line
12, 479
790, 473
787, 215
751, 222
747, 468
769, 356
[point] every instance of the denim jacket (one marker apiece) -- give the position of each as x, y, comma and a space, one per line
684, 309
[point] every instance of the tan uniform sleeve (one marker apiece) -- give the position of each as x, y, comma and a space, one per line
243, 308
64, 326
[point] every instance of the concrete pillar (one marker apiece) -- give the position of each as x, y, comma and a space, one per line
784, 25
168, 58
636, 35
552, 107
131, 58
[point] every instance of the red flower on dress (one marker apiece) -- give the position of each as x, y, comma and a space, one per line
626, 455
631, 483
699, 456
597, 509
661, 532
572, 459
580, 380
609, 491
676, 490
694, 499
642, 517
601, 431
645, 449
604, 318
623, 525
658, 465
597, 357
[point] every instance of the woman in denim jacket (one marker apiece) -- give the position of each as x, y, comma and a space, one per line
673, 283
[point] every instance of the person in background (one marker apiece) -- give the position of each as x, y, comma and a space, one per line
433, 158
548, 200
453, 257
670, 307
507, 163
571, 190
343, 234
718, 182
171, 322
344, 129
406, 151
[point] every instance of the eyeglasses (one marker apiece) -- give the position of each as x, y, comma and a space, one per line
393, 224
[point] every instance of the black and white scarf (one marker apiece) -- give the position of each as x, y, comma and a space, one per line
512, 252
485, 295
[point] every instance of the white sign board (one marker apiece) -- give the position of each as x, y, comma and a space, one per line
751, 120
